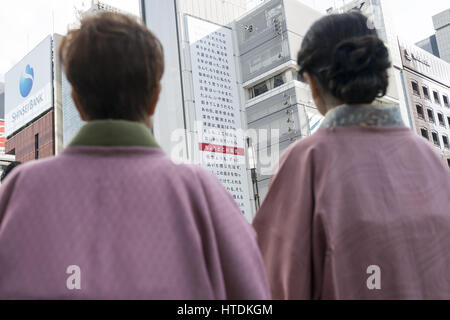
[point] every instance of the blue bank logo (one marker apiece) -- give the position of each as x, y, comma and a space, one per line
26, 81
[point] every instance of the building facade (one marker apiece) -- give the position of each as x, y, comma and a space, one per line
32, 104
430, 45
262, 95
71, 120
439, 43
427, 85
441, 23
35, 141
275, 108
278, 107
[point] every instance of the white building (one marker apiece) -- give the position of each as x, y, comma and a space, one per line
441, 23
426, 80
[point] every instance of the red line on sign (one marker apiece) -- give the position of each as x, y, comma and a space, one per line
207, 147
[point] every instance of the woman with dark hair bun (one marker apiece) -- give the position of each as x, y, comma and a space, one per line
349, 66
361, 209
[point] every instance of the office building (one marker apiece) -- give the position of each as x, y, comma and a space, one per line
267, 99
430, 45
441, 23
71, 120
277, 105
427, 85
32, 104
269, 38
438, 44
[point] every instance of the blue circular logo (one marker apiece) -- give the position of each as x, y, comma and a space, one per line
26, 81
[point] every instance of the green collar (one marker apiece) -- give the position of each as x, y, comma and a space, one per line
363, 116
114, 133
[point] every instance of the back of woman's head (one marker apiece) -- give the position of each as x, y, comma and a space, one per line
114, 64
347, 58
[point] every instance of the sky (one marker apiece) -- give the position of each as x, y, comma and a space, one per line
24, 23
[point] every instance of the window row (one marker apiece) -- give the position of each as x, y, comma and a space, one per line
426, 94
267, 85
435, 138
431, 118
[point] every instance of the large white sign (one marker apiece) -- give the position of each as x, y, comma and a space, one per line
221, 144
28, 87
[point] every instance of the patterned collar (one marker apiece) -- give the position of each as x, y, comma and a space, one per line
363, 116
114, 133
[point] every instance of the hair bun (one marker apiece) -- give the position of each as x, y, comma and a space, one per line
353, 75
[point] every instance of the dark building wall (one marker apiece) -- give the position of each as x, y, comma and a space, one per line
23, 144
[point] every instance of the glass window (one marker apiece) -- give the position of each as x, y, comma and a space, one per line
430, 115
278, 80
267, 85
445, 140
445, 99
426, 94
435, 139
36, 146
441, 119
259, 89
415, 88
436, 97
420, 113
424, 133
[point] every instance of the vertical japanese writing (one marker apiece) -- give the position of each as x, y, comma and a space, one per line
217, 106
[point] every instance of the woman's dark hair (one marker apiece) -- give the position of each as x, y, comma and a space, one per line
347, 58
114, 64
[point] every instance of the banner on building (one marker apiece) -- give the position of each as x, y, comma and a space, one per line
220, 140
29, 87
